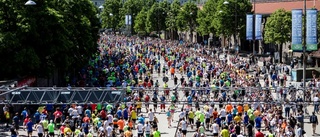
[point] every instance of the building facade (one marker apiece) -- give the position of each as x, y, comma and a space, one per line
98, 3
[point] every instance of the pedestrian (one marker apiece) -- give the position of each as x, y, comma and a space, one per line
40, 130
314, 122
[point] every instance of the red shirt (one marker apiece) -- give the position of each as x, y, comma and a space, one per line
103, 114
259, 134
57, 114
146, 99
62, 129
86, 119
93, 107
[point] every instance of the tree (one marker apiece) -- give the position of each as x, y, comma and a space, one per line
171, 20
140, 25
187, 17
278, 29
156, 17
111, 16
132, 7
205, 18
230, 19
53, 35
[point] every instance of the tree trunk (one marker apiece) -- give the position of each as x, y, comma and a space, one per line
280, 53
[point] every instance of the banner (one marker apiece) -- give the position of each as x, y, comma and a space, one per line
311, 41
249, 29
296, 37
128, 20
258, 33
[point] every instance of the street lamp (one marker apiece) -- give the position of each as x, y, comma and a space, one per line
101, 8
225, 2
30, 3
110, 14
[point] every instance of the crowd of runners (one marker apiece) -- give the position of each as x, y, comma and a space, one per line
225, 94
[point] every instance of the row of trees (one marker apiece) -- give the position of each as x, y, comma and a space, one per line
52, 35
150, 15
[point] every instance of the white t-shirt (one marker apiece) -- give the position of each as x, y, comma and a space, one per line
315, 100
70, 111
223, 113
79, 109
147, 128
109, 131
140, 128
151, 116
75, 113
183, 125
215, 128
39, 129
101, 129
182, 114
110, 118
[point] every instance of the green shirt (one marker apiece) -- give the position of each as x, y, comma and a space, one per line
156, 134
201, 117
77, 132
45, 124
125, 128
51, 128
99, 106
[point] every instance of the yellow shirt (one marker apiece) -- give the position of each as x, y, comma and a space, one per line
67, 131
191, 114
133, 114
237, 119
246, 107
128, 133
139, 104
206, 108
256, 113
224, 133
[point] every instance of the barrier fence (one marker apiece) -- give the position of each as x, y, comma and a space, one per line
83, 95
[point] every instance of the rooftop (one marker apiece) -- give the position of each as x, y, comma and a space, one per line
270, 7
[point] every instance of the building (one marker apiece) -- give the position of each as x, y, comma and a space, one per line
98, 3
266, 7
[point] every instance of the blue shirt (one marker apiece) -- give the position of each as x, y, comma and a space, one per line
16, 120
24, 113
88, 112
218, 120
29, 126
258, 122
246, 119
125, 113
119, 113
85, 127
37, 116
229, 118
141, 120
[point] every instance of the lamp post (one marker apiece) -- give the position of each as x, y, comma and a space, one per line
236, 22
30, 3
304, 49
191, 27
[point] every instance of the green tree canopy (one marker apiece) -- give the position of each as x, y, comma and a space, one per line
231, 18
132, 7
187, 17
278, 27
206, 17
111, 16
140, 25
53, 35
